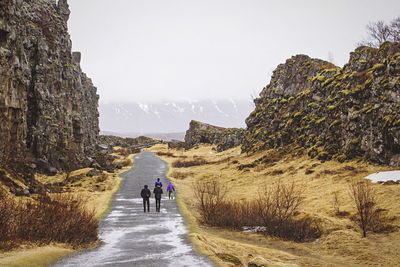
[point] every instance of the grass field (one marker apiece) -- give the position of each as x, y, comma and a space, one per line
341, 243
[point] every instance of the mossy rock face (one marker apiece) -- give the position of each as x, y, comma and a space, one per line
354, 111
223, 138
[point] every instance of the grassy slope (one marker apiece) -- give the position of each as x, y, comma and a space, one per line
341, 243
96, 199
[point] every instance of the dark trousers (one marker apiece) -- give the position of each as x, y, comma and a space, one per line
146, 202
169, 194
158, 204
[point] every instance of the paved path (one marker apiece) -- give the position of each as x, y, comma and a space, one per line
132, 238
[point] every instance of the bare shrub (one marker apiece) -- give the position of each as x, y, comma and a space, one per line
189, 163
237, 214
56, 218
124, 162
121, 151
7, 219
167, 154
210, 196
379, 32
369, 216
181, 175
276, 209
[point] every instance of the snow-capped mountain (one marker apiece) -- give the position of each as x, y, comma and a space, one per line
172, 117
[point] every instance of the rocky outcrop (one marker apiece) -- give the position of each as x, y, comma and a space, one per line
134, 145
48, 106
331, 112
203, 133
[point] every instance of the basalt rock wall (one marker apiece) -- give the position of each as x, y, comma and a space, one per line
330, 112
48, 106
203, 133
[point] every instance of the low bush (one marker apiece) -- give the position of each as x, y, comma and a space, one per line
210, 196
276, 210
181, 175
166, 154
56, 218
189, 163
369, 217
121, 151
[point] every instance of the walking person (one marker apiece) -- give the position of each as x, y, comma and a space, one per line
158, 183
170, 190
145, 194
157, 194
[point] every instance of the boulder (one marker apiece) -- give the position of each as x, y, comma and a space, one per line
258, 262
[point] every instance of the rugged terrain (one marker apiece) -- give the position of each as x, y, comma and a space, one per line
203, 133
330, 112
246, 175
48, 106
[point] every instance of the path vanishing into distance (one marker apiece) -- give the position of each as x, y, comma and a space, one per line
133, 238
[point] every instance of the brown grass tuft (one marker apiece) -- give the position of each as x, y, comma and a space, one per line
56, 218
180, 175
189, 163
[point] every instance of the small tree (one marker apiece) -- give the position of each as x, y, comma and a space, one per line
210, 196
365, 202
280, 203
395, 29
379, 32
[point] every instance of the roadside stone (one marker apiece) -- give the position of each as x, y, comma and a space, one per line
229, 258
258, 262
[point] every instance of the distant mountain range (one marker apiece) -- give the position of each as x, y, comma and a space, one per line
170, 117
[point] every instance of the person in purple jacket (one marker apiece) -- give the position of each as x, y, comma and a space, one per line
170, 189
158, 183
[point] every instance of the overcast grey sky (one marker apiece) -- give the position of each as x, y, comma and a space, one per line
150, 50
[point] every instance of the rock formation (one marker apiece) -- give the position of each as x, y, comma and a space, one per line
48, 106
203, 133
331, 112
133, 145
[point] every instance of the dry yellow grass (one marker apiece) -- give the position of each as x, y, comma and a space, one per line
98, 192
34, 257
341, 243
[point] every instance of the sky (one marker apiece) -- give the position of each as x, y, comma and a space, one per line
158, 50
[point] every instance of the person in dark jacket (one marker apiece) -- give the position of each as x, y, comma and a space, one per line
145, 194
157, 194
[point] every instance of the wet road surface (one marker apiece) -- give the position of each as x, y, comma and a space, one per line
133, 238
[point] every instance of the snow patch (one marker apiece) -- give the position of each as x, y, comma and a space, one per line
384, 176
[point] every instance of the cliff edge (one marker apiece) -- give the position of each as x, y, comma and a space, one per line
48, 106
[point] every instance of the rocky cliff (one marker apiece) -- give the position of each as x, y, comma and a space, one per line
203, 133
331, 112
48, 106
